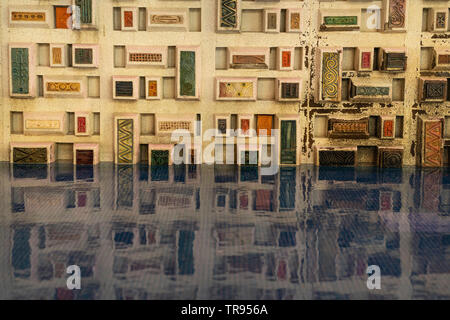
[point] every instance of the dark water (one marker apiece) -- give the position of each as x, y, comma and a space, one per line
224, 232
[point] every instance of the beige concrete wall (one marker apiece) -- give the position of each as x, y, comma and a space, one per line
208, 39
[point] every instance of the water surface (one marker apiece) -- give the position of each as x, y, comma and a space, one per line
223, 232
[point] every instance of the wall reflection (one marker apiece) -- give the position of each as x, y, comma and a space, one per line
223, 232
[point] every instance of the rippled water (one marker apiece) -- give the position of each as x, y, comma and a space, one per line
224, 232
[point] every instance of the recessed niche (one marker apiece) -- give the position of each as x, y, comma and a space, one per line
252, 21
348, 59
116, 18
96, 127
148, 124
448, 89
142, 19
119, 56
171, 50
266, 89
446, 156
233, 122
399, 126
425, 13
169, 88
298, 58
44, 54
142, 88
273, 59
283, 20
143, 152
40, 86
373, 126
221, 58
345, 88
320, 126
64, 152
16, 122
195, 19
367, 155
447, 127
70, 118
94, 87
426, 58
398, 89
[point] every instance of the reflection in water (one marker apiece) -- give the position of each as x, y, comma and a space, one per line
223, 232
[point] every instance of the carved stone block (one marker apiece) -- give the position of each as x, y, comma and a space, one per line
390, 157
289, 89
222, 126
22, 70
160, 154
85, 153
329, 74
228, 15
30, 16
63, 17
438, 20
153, 88
44, 123
271, 20
246, 125
80, 123
285, 58
83, 125
264, 124
125, 87
32, 152
334, 156
248, 58
393, 60
395, 14
168, 20
364, 59
86, 13
368, 90
340, 20
430, 142
84, 157
236, 88
146, 56
348, 129
386, 128
126, 138
64, 87
441, 59
57, 55
288, 124
293, 20
85, 55
188, 72
432, 89
129, 19
167, 123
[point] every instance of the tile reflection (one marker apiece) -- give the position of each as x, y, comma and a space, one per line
223, 232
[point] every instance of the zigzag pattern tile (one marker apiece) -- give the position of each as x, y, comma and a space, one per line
125, 141
229, 13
